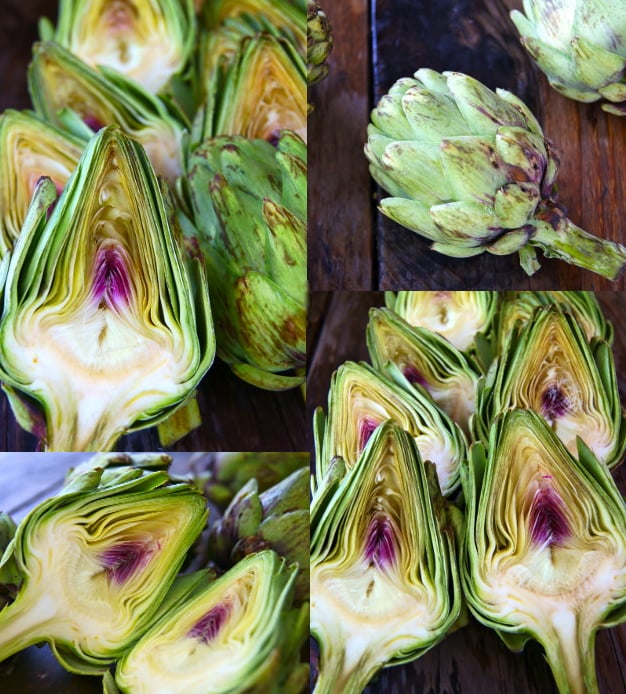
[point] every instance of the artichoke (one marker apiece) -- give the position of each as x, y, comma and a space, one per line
147, 41
68, 93
545, 547
581, 47
31, 148
249, 206
105, 328
549, 367
384, 584
470, 170
236, 634
277, 518
422, 357
360, 399
96, 562
319, 37
260, 94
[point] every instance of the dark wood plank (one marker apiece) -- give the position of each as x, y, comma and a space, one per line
340, 203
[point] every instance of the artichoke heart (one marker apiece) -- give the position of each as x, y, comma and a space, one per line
96, 561
549, 367
384, 585
31, 149
103, 326
545, 549
146, 40
232, 635
360, 399
59, 82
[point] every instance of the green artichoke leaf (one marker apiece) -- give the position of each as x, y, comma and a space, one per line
148, 42
421, 356
544, 554
96, 562
549, 367
260, 94
457, 316
59, 81
237, 633
257, 279
384, 585
31, 148
130, 337
360, 399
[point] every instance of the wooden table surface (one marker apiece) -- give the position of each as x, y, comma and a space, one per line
236, 416
351, 245
473, 660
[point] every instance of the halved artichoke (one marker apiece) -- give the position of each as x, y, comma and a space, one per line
249, 208
96, 562
31, 148
148, 41
66, 91
384, 583
545, 548
262, 93
236, 634
360, 399
457, 316
420, 356
105, 327
549, 367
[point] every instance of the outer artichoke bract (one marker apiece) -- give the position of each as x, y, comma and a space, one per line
249, 204
520, 306
545, 547
470, 169
277, 518
384, 585
422, 357
104, 326
262, 93
580, 45
237, 634
360, 399
96, 562
319, 37
31, 148
549, 367
59, 82
147, 40
457, 316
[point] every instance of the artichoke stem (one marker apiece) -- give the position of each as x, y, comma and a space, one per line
560, 238
571, 660
21, 623
335, 677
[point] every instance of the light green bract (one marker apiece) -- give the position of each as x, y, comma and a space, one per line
96, 561
319, 35
249, 210
148, 41
106, 327
237, 634
470, 169
581, 47
545, 546
384, 583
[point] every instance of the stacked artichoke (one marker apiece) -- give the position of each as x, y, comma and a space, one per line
116, 537
536, 541
164, 163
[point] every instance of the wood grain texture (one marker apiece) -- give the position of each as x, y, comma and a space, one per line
236, 416
473, 660
476, 37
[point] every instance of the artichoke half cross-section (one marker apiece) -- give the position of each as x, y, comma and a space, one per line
105, 328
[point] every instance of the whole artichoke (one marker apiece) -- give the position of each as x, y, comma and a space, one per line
470, 169
319, 37
581, 47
